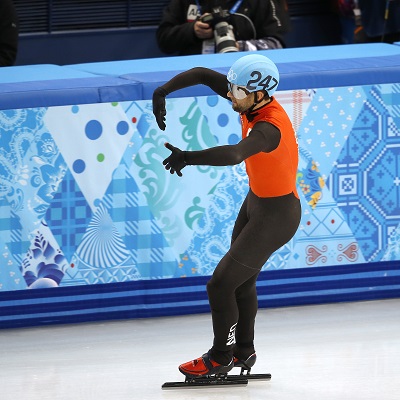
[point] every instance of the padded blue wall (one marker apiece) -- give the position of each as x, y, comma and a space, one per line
55, 120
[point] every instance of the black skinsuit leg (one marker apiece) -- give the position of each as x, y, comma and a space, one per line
262, 227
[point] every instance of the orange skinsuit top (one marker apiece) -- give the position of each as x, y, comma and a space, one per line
273, 174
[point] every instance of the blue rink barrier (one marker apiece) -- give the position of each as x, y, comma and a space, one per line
47, 85
62, 125
215, 61
173, 297
316, 67
52, 93
313, 67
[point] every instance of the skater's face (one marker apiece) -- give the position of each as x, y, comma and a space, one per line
243, 104
242, 99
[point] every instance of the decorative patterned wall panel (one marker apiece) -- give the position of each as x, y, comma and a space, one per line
84, 198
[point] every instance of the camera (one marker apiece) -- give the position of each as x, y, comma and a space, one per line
225, 41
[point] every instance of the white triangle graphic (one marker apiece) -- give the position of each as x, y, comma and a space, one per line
92, 139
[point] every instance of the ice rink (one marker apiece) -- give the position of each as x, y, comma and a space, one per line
346, 351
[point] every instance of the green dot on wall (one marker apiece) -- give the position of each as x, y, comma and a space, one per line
100, 157
114, 103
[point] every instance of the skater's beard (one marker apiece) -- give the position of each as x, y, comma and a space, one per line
241, 107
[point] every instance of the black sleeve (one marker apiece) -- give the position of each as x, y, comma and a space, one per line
195, 76
270, 20
8, 33
278, 21
264, 137
174, 34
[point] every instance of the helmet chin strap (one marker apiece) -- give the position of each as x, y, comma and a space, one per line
255, 103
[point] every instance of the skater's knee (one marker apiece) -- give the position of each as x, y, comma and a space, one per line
211, 287
217, 287
214, 286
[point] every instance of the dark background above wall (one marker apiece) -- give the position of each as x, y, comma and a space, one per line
77, 31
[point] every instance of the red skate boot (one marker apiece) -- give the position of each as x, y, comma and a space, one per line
204, 366
204, 371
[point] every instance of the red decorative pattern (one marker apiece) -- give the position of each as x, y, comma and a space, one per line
314, 254
350, 252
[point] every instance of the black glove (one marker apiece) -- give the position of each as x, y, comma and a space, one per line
159, 107
176, 160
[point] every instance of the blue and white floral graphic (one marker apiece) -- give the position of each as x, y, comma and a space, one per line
84, 198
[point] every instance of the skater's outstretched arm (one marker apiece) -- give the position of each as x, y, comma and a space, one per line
264, 137
195, 76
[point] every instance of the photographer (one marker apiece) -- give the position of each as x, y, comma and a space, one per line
256, 25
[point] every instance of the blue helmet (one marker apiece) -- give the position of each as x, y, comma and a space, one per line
254, 72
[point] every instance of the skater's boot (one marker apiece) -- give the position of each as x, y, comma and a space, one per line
245, 364
204, 366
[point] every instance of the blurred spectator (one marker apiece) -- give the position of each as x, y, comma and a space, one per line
257, 25
370, 20
347, 20
8, 33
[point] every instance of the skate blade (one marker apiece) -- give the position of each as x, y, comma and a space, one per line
213, 382
259, 377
